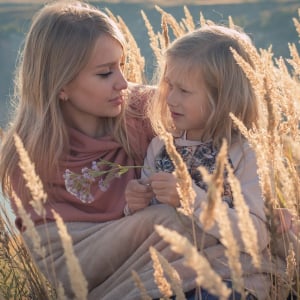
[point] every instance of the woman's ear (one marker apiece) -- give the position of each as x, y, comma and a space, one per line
63, 95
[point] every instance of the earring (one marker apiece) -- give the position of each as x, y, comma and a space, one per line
65, 98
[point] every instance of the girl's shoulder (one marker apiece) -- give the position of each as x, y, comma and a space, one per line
241, 153
240, 147
156, 143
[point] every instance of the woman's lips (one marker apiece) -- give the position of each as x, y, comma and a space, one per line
117, 101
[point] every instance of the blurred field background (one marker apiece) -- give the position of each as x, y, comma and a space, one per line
268, 22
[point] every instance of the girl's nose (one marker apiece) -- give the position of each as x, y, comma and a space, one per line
171, 99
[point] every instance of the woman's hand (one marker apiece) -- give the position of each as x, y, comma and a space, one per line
138, 195
164, 186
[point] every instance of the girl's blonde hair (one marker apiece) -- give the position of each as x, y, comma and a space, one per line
58, 45
206, 52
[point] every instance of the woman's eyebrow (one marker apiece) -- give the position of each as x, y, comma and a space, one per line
109, 64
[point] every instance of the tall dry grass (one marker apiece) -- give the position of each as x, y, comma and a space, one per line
19, 276
276, 141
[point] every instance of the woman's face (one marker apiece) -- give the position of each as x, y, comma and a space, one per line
96, 92
187, 100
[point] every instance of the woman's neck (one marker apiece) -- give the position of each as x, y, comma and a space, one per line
92, 126
95, 129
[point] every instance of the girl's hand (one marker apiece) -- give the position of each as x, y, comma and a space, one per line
138, 195
164, 186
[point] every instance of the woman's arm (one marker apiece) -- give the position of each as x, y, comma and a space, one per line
138, 193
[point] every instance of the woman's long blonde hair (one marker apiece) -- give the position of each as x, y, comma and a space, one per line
57, 47
206, 52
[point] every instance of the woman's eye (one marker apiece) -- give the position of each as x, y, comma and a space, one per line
104, 75
170, 86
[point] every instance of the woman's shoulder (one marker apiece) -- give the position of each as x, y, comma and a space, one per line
139, 95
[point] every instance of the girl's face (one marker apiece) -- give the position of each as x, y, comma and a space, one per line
187, 100
95, 93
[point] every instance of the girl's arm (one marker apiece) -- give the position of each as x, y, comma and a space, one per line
149, 161
245, 169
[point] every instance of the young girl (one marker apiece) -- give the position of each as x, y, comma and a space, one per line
201, 84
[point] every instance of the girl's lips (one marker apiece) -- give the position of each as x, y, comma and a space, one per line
176, 115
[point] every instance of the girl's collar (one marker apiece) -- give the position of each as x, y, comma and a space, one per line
182, 140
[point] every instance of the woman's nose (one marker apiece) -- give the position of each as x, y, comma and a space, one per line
121, 83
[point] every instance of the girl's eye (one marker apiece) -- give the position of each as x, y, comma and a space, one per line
104, 75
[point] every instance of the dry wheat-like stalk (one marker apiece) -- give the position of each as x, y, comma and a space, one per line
135, 68
245, 222
60, 292
188, 21
177, 29
254, 77
287, 184
207, 216
291, 264
159, 278
186, 191
202, 20
77, 279
271, 96
33, 182
30, 231
295, 61
206, 276
175, 281
153, 40
214, 189
165, 32
290, 186
297, 23
288, 87
232, 250
230, 22
139, 284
